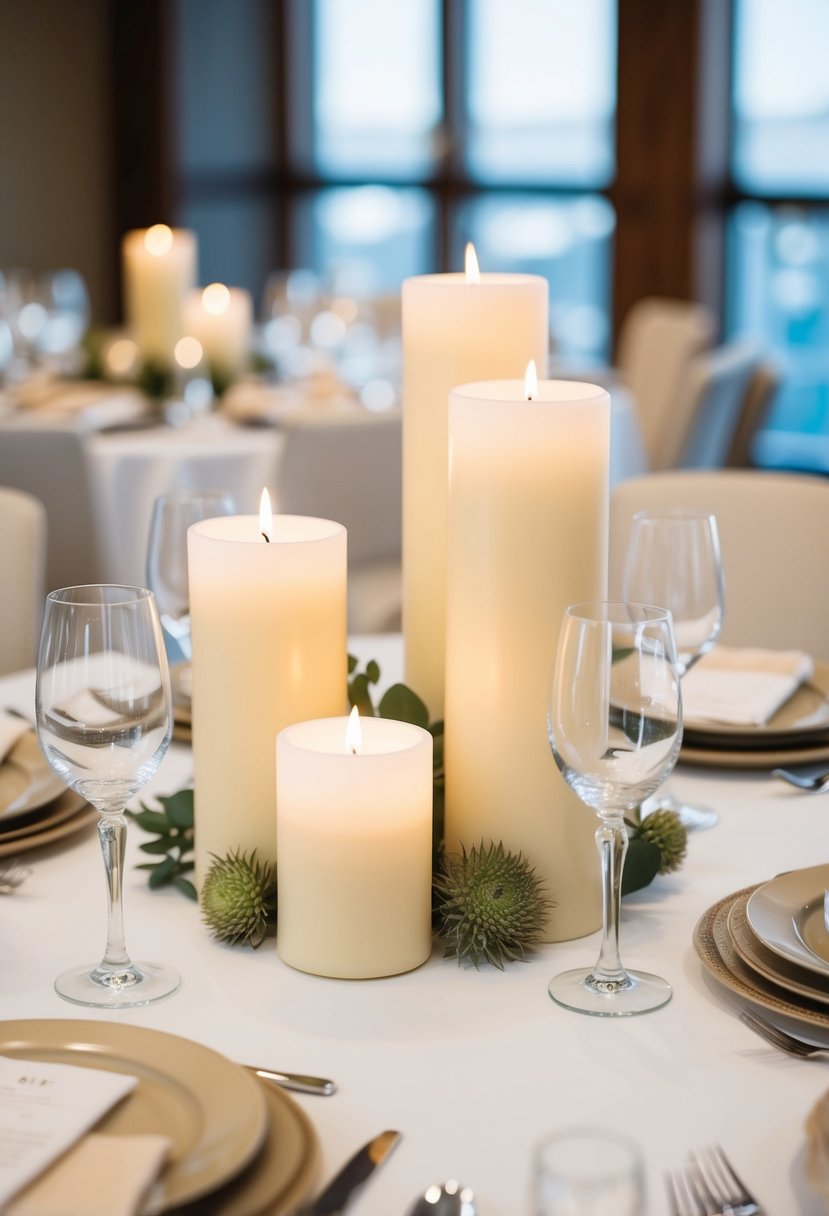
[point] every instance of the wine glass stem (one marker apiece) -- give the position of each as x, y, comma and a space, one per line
112, 829
612, 843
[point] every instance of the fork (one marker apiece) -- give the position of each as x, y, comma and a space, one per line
781, 1038
710, 1186
12, 874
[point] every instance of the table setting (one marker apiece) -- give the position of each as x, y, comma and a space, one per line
404, 852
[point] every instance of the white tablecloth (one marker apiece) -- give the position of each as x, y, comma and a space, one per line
472, 1066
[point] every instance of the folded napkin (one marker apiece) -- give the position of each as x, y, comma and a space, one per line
12, 728
742, 686
99, 1176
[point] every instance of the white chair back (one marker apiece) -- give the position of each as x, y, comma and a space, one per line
774, 531
710, 407
23, 562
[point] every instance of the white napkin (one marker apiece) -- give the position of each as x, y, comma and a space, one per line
12, 728
99, 1176
742, 686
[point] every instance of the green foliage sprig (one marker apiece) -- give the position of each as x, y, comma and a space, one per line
173, 844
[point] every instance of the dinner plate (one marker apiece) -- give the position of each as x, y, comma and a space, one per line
759, 758
778, 970
83, 818
213, 1111
787, 916
27, 780
802, 721
66, 805
715, 950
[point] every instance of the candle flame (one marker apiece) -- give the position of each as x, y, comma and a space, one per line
531, 381
158, 240
216, 299
473, 274
265, 516
353, 734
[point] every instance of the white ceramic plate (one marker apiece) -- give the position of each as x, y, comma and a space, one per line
802, 721
786, 914
790, 976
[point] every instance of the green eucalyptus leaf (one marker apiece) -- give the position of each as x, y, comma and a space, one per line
401, 703
163, 872
179, 808
151, 821
372, 671
161, 844
352, 664
359, 695
641, 865
186, 887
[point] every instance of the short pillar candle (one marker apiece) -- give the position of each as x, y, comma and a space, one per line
354, 847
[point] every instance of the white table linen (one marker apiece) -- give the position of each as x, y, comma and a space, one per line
472, 1066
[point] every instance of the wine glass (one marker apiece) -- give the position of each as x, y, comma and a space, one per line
167, 558
674, 560
586, 1171
104, 720
615, 726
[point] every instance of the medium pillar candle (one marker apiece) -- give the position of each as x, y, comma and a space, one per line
456, 328
354, 852
527, 535
268, 625
159, 268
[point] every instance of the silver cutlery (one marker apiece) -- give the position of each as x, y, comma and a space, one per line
446, 1199
12, 874
810, 778
354, 1173
299, 1082
709, 1184
781, 1039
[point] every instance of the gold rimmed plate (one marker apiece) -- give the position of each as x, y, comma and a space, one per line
27, 780
214, 1113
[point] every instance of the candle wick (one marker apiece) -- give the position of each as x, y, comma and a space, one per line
267, 538
354, 751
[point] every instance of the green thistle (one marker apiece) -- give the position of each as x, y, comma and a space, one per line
238, 898
490, 905
665, 830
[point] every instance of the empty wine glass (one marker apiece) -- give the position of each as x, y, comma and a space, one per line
674, 560
104, 720
586, 1171
615, 727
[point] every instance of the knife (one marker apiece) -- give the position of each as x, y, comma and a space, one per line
355, 1171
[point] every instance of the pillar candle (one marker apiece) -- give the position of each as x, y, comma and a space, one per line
268, 626
456, 328
221, 318
527, 535
354, 853
159, 268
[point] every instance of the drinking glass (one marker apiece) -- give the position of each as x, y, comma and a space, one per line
588, 1172
167, 557
615, 726
104, 720
674, 560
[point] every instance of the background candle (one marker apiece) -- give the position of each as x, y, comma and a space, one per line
268, 625
159, 268
527, 535
354, 853
221, 318
455, 329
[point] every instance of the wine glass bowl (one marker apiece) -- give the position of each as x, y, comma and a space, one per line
104, 720
615, 729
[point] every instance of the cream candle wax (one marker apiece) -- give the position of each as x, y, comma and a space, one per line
527, 535
159, 268
354, 851
268, 624
221, 318
456, 328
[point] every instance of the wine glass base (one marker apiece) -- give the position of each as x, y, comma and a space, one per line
125, 988
640, 993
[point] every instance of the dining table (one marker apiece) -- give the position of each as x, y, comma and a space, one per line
471, 1065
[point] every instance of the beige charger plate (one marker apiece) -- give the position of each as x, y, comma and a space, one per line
27, 780
715, 757
213, 1111
57, 829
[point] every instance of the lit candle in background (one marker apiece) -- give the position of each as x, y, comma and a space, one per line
456, 328
268, 624
221, 318
159, 268
527, 535
354, 846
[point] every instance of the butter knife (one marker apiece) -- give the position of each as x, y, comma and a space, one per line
299, 1082
355, 1172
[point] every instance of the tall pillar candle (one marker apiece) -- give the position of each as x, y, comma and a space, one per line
268, 625
159, 268
456, 328
354, 847
527, 535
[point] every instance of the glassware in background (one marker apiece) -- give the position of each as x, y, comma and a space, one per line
104, 720
674, 561
615, 728
167, 564
48, 315
587, 1172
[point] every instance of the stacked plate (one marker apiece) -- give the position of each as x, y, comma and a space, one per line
797, 734
181, 679
770, 944
239, 1146
35, 805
